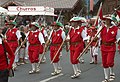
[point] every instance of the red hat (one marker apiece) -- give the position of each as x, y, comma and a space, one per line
57, 24
93, 27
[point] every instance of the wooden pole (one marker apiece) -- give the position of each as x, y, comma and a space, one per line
99, 30
60, 47
85, 49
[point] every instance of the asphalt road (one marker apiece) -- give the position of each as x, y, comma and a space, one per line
90, 73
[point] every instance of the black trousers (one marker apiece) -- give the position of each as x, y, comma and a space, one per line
4, 75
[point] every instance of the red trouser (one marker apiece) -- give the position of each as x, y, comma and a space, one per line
75, 51
33, 52
108, 58
41, 49
13, 45
53, 50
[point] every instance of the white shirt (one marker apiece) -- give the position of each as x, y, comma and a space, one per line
0, 40
18, 34
45, 33
41, 38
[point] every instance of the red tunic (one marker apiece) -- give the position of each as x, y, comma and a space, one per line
76, 44
34, 47
76, 37
33, 38
12, 38
92, 35
89, 31
108, 51
108, 37
55, 44
3, 62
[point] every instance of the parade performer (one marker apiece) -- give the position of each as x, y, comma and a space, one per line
76, 37
13, 36
5, 66
109, 35
35, 40
57, 36
94, 45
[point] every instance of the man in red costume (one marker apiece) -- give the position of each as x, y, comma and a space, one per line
35, 40
4, 64
13, 36
109, 35
94, 45
57, 36
76, 37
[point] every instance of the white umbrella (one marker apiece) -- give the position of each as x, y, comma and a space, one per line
3, 10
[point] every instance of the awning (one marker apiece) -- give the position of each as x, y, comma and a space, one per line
3, 10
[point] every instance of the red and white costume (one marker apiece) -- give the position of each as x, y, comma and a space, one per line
13, 36
109, 37
77, 37
3, 61
57, 37
94, 45
35, 39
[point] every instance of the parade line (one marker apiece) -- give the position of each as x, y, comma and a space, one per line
53, 77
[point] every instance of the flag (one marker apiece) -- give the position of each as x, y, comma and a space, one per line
101, 14
91, 5
99, 19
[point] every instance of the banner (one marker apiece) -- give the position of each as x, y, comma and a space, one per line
30, 10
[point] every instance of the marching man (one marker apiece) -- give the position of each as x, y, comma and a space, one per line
5, 66
13, 36
109, 35
76, 37
94, 45
57, 36
35, 40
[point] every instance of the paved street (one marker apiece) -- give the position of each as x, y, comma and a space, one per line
90, 73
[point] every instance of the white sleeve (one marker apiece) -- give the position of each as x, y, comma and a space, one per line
50, 35
84, 35
88, 38
68, 37
41, 39
118, 35
45, 33
63, 35
18, 34
27, 34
